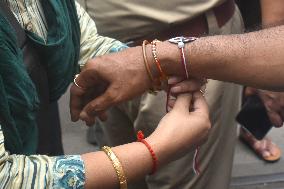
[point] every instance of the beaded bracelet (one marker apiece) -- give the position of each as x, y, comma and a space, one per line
140, 138
163, 76
156, 83
117, 166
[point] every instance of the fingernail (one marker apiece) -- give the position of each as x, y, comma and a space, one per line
176, 89
172, 80
83, 116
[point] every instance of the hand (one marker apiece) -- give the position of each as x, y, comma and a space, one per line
273, 102
121, 76
181, 129
180, 85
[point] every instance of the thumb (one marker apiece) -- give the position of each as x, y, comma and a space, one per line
199, 103
183, 102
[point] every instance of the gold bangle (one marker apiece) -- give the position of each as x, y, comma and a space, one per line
117, 166
145, 42
156, 83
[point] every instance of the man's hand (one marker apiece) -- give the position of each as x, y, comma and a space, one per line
274, 104
108, 80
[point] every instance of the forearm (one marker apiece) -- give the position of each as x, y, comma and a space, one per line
135, 158
254, 59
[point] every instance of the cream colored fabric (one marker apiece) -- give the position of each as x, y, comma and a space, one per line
118, 17
216, 155
29, 14
39, 171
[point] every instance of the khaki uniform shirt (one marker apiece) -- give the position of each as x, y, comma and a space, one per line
126, 20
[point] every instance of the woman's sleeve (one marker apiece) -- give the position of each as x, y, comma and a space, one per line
92, 44
40, 171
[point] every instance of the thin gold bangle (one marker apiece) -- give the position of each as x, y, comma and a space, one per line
145, 42
156, 83
117, 166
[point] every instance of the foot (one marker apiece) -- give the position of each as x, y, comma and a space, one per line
264, 148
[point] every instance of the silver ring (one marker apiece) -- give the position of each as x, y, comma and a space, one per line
74, 81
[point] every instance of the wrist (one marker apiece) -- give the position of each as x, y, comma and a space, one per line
169, 56
163, 148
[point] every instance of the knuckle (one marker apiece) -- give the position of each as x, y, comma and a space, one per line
187, 86
109, 96
92, 106
207, 124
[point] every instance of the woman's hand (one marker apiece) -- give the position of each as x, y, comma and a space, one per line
183, 128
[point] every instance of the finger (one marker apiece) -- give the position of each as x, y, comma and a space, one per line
249, 91
171, 103
91, 119
199, 103
186, 86
103, 116
99, 104
275, 118
183, 102
174, 80
76, 102
281, 113
84, 80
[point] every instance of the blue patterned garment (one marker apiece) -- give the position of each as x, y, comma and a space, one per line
40, 171
68, 172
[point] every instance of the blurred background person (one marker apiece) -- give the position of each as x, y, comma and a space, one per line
263, 14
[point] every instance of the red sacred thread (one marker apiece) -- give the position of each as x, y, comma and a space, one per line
140, 138
140, 134
195, 161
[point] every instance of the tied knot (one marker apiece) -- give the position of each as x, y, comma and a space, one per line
140, 136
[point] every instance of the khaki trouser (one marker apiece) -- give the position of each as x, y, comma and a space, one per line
216, 155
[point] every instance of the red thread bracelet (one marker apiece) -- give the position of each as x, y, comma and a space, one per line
140, 138
163, 76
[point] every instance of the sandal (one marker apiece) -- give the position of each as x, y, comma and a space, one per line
262, 148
